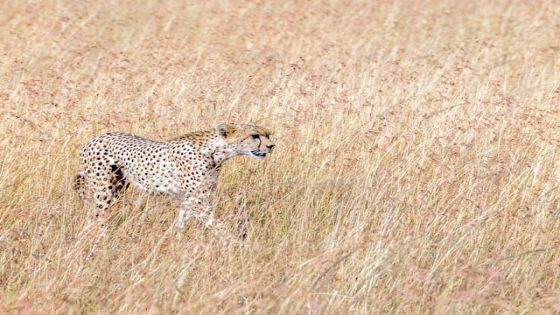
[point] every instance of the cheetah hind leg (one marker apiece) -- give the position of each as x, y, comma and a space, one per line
109, 190
120, 184
80, 185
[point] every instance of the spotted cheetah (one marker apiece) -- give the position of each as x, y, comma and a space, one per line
186, 167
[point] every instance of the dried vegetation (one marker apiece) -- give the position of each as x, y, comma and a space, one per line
417, 164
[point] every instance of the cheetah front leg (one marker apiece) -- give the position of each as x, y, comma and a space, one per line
193, 207
187, 211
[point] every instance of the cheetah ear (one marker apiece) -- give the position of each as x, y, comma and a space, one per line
224, 130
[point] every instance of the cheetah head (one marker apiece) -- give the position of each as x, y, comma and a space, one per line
250, 140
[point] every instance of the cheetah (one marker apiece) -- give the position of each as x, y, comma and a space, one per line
186, 167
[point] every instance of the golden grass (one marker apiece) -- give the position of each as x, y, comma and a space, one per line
416, 169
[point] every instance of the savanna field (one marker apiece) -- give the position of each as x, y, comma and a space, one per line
417, 166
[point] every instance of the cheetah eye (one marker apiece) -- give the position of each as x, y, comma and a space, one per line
255, 136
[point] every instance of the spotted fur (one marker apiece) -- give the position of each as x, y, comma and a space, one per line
186, 167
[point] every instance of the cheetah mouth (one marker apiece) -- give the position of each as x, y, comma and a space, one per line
258, 154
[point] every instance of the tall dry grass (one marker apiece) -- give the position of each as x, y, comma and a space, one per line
416, 171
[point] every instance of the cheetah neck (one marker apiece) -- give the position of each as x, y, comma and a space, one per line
221, 151
211, 145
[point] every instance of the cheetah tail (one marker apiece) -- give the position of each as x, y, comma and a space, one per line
80, 184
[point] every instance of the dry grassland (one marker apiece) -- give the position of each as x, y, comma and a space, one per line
416, 169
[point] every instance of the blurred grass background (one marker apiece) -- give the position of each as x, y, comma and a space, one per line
416, 169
